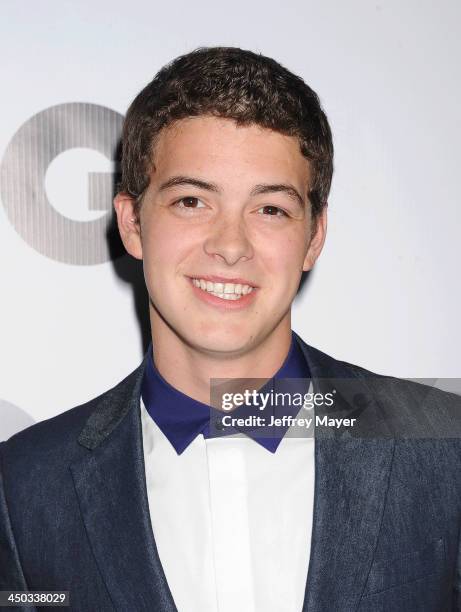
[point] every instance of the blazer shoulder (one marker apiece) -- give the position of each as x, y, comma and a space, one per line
57, 437
417, 410
328, 365
415, 391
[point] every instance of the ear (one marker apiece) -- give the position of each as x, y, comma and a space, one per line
317, 240
128, 224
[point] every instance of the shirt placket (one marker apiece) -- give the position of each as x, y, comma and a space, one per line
228, 484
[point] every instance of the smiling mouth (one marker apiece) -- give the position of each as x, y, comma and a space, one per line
225, 291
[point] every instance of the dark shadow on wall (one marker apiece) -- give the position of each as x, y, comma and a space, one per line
306, 278
127, 268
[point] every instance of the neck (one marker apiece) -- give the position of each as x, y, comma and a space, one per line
189, 369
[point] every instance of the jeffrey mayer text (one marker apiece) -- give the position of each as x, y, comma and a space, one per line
286, 421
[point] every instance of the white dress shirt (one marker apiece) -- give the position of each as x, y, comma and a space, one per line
232, 521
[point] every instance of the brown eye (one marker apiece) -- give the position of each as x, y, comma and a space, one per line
190, 202
273, 211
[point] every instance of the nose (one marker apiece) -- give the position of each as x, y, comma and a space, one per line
228, 241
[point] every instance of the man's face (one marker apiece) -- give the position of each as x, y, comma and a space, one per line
225, 233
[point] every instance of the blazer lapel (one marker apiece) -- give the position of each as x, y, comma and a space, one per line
111, 488
351, 480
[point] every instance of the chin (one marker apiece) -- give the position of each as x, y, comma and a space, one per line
221, 341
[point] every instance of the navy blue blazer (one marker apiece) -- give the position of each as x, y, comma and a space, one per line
387, 509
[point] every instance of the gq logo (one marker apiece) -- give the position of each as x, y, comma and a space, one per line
22, 182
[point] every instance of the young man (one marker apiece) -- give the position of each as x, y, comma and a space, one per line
134, 501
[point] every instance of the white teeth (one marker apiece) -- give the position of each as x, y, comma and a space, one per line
226, 296
225, 291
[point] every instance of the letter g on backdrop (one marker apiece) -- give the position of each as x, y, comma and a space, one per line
22, 181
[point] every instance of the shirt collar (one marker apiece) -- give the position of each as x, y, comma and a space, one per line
182, 418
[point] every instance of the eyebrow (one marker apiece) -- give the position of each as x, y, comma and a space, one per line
260, 189
277, 188
188, 180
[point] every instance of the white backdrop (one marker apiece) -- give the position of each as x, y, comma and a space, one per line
386, 291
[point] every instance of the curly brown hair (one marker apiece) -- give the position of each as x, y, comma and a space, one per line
231, 83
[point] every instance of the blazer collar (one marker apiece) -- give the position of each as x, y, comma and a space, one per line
351, 478
111, 488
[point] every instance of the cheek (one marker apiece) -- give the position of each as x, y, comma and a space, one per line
283, 262
165, 252
157, 251
157, 236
